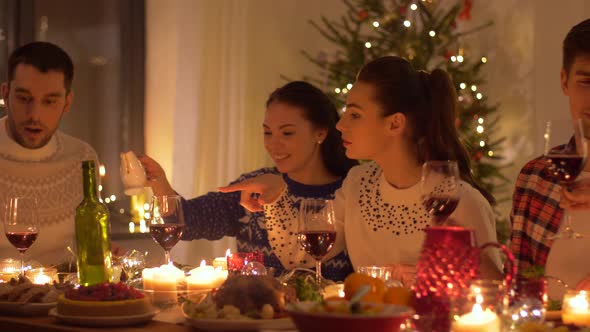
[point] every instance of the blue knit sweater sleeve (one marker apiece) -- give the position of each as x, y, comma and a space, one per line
215, 214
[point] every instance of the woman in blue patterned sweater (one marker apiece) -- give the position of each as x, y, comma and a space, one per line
300, 136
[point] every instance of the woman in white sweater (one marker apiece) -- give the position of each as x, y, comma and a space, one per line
398, 118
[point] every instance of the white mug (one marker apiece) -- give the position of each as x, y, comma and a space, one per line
132, 174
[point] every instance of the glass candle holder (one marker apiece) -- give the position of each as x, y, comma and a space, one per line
9, 268
575, 308
483, 307
535, 288
384, 273
43, 275
237, 260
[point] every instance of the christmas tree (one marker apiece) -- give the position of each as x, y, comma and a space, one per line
427, 33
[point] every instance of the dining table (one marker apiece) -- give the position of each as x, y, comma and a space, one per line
50, 324
168, 320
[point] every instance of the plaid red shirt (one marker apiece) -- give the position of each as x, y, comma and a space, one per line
535, 215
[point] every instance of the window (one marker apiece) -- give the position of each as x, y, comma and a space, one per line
106, 40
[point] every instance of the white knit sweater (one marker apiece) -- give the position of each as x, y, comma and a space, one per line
385, 225
53, 175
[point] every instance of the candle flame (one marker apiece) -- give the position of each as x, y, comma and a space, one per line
479, 298
341, 293
41, 279
227, 252
579, 301
203, 263
477, 310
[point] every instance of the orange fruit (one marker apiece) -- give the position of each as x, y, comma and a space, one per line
355, 280
397, 295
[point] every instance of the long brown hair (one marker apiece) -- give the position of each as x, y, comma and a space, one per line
321, 112
428, 100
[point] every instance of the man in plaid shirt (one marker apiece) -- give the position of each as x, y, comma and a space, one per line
536, 212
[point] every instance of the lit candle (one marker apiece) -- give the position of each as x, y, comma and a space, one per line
205, 277
42, 276
221, 262
477, 321
162, 282
8, 273
576, 310
42, 279
147, 275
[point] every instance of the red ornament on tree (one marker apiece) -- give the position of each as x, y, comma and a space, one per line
403, 10
477, 156
465, 13
448, 54
363, 15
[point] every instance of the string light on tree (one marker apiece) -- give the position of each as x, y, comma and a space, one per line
479, 129
376, 24
345, 90
479, 95
432, 33
453, 58
480, 120
491, 153
460, 58
407, 23
482, 143
473, 88
462, 86
413, 6
349, 86
368, 45
337, 90
484, 59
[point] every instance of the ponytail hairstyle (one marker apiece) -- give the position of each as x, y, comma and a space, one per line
428, 100
321, 112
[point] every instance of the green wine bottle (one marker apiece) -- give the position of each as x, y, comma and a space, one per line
92, 233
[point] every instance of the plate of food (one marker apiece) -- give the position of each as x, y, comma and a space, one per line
97, 321
26, 309
242, 303
105, 304
344, 317
23, 298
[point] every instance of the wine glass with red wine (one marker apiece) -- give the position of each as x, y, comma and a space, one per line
21, 225
317, 231
166, 222
440, 188
563, 165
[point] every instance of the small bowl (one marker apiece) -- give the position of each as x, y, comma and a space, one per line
388, 319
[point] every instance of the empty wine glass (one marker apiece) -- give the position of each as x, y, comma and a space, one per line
21, 225
166, 221
316, 230
564, 164
440, 188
